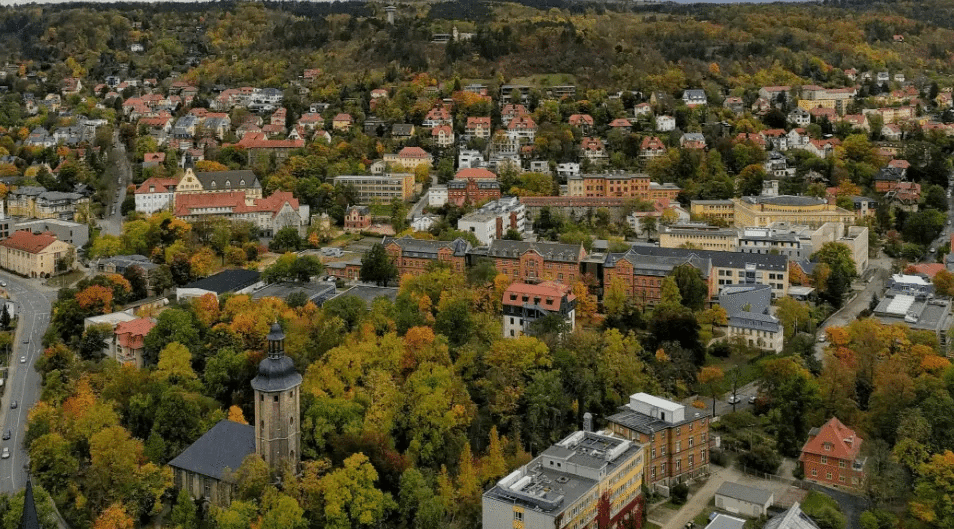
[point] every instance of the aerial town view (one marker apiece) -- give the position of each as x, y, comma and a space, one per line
477, 264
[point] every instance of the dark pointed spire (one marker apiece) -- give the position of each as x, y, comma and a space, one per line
30, 519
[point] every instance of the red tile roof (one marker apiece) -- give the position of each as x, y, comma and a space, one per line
580, 119
234, 201
842, 441
413, 152
257, 140
475, 173
928, 269
27, 241
160, 184
620, 122
132, 333
477, 121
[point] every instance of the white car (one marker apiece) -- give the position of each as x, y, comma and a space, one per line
734, 399
6, 453
23, 359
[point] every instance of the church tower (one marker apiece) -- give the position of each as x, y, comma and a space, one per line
277, 408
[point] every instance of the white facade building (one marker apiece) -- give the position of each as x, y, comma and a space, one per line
494, 219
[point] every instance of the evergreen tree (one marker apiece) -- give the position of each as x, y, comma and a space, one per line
377, 267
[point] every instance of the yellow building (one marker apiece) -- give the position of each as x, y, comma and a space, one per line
812, 211
36, 254
699, 236
563, 487
713, 209
379, 189
220, 181
35, 202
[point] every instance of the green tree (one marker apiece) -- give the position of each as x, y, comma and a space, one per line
935, 197
693, 290
93, 342
172, 325
286, 239
924, 226
377, 266
351, 498
183, 514
175, 363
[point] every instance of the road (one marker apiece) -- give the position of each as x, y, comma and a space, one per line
22, 380
112, 224
722, 405
879, 271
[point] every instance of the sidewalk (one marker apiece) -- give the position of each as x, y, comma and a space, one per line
698, 501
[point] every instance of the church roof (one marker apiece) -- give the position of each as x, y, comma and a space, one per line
30, 519
277, 371
222, 448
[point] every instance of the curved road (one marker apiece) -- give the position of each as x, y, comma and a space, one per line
22, 381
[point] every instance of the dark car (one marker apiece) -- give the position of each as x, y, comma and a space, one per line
7, 434
13, 405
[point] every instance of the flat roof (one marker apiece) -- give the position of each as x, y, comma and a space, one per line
657, 402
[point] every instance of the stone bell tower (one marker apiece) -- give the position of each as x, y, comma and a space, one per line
277, 408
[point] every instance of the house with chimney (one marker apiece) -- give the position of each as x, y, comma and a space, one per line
832, 456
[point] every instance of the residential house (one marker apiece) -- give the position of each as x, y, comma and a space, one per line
693, 98
71, 86
606, 474
622, 125
888, 178
832, 456
651, 148
153, 159
857, 121
675, 440
311, 121
130, 337
642, 109
409, 158
754, 138
583, 121
798, 138
511, 112
437, 116
776, 95
414, 256
522, 129
477, 127
38, 255
775, 139
800, 117
734, 104
891, 132
155, 194
592, 149
342, 122
357, 218
443, 136
793, 518
692, 140
402, 131
525, 303
665, 123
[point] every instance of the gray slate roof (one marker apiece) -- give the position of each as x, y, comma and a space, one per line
785, 200
223, 447
719, 259
552, 251
233, 177
722, 521
755, 321
744, 493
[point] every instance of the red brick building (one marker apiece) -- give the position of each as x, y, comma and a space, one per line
831, 456
357, 218
415, 256
642, 275
472, 191
531, 262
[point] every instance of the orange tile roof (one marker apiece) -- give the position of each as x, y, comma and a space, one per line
845, 444
160, 184
257, 140
549, 292
27, 241
234, 201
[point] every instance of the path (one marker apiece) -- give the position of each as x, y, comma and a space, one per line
698, 501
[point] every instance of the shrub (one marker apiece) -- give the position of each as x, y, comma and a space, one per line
679, 494
762, 458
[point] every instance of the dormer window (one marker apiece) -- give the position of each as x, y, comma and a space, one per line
228, 184
242, 183
213, 184
827, 447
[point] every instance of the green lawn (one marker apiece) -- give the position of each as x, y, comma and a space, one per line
650, 525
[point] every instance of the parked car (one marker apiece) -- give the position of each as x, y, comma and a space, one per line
6, 453
22, 359
734, 399
13, 405
752, 399
7, 434
821, 339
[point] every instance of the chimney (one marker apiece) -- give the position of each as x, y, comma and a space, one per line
587, 422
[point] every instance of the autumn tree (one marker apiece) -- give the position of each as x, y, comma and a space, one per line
114, 517
351, 498
710, 378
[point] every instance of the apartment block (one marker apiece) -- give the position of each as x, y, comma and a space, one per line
563, 487
675, 440
379, 189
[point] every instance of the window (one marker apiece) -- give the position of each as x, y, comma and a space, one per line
828, 475
275, 398
654, 453
690, 461
841, 478
824, 460
518, 516
678, 446
841, 464
690, 442
827, 447
678, 465
814, 472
